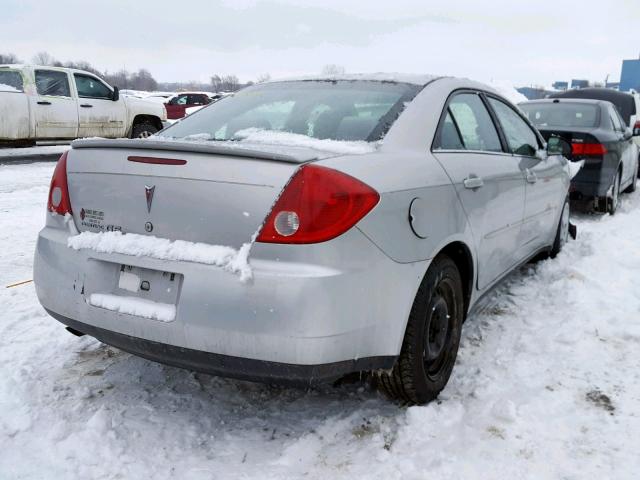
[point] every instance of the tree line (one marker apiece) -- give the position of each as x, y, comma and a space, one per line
144, 80
137, 80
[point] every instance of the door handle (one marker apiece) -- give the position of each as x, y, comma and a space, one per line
472, 182
86, 105
44, 103
531, 176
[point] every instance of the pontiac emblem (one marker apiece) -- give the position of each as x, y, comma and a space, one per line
148, 191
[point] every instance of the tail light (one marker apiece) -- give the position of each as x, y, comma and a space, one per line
58, 191
318, 204
636, 129
588, 149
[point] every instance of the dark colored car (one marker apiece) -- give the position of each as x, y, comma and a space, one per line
624, 102
599, 136
177, 106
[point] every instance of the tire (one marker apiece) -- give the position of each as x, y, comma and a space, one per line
632, 188
614, 201
143, 129
432, 337
562, 233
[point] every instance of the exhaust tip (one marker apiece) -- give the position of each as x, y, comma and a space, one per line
75, 332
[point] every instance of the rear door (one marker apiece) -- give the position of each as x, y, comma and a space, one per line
488, 180
54, 108
99, 115
14, 106
544, 185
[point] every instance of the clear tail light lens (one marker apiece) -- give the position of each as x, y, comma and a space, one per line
318, 204
58, 191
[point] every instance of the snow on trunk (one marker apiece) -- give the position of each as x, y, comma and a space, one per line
228, 258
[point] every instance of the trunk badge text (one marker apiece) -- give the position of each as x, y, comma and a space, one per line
148, 191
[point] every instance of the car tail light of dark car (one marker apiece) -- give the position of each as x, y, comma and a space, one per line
318, 204
58, 191
588, 150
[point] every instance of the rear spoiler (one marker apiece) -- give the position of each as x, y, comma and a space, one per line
264, 152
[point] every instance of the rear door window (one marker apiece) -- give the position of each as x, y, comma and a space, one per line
196, 100
615, 120
52, 83
521, 138
449, 137
11, 81
474, 124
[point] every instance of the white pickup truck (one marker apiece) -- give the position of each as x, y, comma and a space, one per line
47, 103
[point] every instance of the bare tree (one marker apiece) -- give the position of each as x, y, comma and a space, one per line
8, 58
225, 83
333, 69
44, 58
265, 77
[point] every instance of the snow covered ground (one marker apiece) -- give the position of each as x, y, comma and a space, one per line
40, 150
547, 385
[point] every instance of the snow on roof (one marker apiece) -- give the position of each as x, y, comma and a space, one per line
416, 79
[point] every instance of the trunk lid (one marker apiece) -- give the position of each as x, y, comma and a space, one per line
215, 194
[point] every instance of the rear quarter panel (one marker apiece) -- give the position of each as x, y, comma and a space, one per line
14, 112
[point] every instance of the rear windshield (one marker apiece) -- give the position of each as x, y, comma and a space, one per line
10, 81
561, 114
335, 110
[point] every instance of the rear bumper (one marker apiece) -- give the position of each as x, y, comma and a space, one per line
228, 366
594, 179
310, 312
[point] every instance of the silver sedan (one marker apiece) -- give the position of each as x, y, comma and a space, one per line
301, 230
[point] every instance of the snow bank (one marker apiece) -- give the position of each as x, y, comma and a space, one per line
272, 137
508, 91
139, 307
230, 259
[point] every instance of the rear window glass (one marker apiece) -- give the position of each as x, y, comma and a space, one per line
335, 110
561, 114
11, 81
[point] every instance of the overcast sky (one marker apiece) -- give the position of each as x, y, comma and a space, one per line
521, 41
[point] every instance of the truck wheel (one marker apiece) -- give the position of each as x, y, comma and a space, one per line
562, 234
143, 129
430, 344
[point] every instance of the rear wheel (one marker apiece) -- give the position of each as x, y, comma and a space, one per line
431, 339
562, 234
143, 129
614, 201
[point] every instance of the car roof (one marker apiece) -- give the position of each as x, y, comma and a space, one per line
567, 100
415, 79
625, 102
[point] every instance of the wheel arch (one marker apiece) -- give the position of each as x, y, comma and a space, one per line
461, 255
145, 118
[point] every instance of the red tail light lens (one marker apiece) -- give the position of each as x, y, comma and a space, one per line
317, 205
588, 149
636, 128
58, 191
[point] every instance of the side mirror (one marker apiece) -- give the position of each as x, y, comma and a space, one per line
116, 94
628, 133
559, 146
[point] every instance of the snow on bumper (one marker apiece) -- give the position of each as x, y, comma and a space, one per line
301, 310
